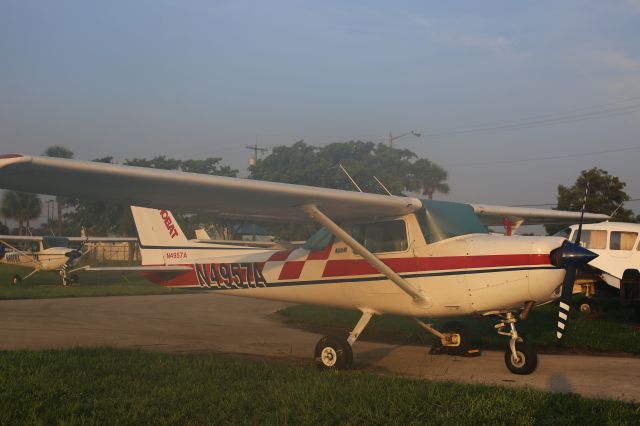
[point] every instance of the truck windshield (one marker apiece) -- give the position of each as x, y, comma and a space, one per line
441, 220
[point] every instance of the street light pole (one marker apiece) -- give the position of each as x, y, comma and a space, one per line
394, 138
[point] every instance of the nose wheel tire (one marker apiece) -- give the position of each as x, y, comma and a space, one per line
585, 306
16, 279
526, 360
333, 353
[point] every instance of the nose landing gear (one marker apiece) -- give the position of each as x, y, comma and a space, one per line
520, 357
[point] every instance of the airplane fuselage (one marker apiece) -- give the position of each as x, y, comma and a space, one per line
50, 259
475, 273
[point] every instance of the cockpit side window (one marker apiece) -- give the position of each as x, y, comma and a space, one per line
381, 237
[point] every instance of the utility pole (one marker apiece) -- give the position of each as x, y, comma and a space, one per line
255, 148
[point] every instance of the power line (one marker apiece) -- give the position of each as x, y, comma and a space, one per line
544, 122
527, 160
558, 117
555, 204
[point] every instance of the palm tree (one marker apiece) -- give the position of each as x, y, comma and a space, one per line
21, 206
431, 177
11, 207
59, 152
32, 206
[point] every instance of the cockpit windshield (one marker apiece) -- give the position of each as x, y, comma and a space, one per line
441, 220
318, 241
48, 242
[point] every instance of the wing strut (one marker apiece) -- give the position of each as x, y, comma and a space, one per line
315, 214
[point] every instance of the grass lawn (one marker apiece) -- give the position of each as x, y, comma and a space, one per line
108, 386
610, 329
44, 285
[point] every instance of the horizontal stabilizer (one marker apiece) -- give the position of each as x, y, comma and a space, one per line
159, 268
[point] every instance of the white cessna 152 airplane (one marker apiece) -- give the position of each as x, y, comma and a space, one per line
374, 253
48, 254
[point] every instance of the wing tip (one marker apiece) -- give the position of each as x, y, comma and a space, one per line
8, 156
7, 159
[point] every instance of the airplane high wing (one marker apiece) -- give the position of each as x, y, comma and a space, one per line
496, 215
377, 254
147, 187
39, 238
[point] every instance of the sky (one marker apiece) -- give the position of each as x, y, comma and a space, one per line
512, 98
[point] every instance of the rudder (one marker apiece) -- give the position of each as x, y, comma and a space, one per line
157, 227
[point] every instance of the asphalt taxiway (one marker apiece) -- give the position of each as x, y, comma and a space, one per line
194, 323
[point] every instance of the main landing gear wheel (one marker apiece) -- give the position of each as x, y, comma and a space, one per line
16, 279
525, 361
333, 353
74, 279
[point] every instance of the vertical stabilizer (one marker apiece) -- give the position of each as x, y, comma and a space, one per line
157, 228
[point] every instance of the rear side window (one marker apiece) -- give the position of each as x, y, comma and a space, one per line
592, 239
622, 240
380, 237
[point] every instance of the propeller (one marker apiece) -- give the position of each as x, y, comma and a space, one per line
570, 256
76, 254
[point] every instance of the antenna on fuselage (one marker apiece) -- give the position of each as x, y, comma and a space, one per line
349, 176
616, 209
383, 187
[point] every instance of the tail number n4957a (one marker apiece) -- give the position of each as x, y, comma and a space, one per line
230, 275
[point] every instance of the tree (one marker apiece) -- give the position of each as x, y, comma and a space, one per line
208, 166
431, 177
11, 208
399, 171
606, 195
319, 166
101, 218
60, 152
32, 207
22, 207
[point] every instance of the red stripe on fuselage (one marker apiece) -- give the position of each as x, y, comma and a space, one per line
320, 254
168, 279
291, 270
340, 268
279, 256
353, 267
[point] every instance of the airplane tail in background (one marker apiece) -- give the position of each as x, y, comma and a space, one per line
157, 228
